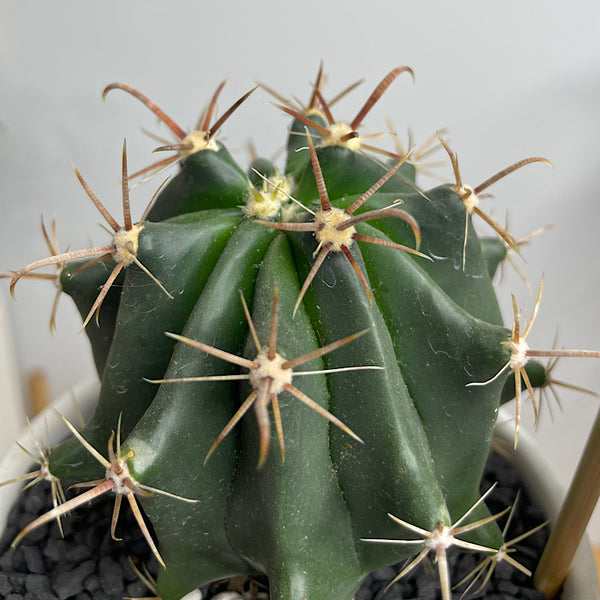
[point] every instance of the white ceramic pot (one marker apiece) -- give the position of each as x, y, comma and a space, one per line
48, 428
537, 475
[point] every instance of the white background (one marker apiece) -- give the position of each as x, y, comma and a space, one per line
509, 80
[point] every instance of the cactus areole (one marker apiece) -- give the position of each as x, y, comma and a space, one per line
349, 309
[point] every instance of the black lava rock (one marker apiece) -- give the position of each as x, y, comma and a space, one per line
88, 565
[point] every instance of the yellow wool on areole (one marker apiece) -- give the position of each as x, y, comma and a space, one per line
332, 233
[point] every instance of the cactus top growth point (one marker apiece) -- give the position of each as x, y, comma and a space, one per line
354, 313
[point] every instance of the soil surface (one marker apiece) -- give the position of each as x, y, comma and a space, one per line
88, 565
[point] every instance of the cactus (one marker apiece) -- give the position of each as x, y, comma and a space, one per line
354, 304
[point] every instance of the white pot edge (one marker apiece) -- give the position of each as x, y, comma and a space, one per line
531, 465
541, 483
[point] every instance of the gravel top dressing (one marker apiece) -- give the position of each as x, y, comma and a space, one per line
88, 565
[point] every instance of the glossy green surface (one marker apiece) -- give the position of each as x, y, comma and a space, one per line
346, 173
82, 283
140, 350
206, 179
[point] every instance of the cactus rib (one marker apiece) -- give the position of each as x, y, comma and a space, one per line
269, 375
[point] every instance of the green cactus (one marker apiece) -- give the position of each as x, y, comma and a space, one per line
363, 318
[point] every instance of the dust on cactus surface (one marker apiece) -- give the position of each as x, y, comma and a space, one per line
351, 309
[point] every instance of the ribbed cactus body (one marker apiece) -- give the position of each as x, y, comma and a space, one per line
431, 328
181, 255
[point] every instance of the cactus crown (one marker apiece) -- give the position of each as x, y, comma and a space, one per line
342, 264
